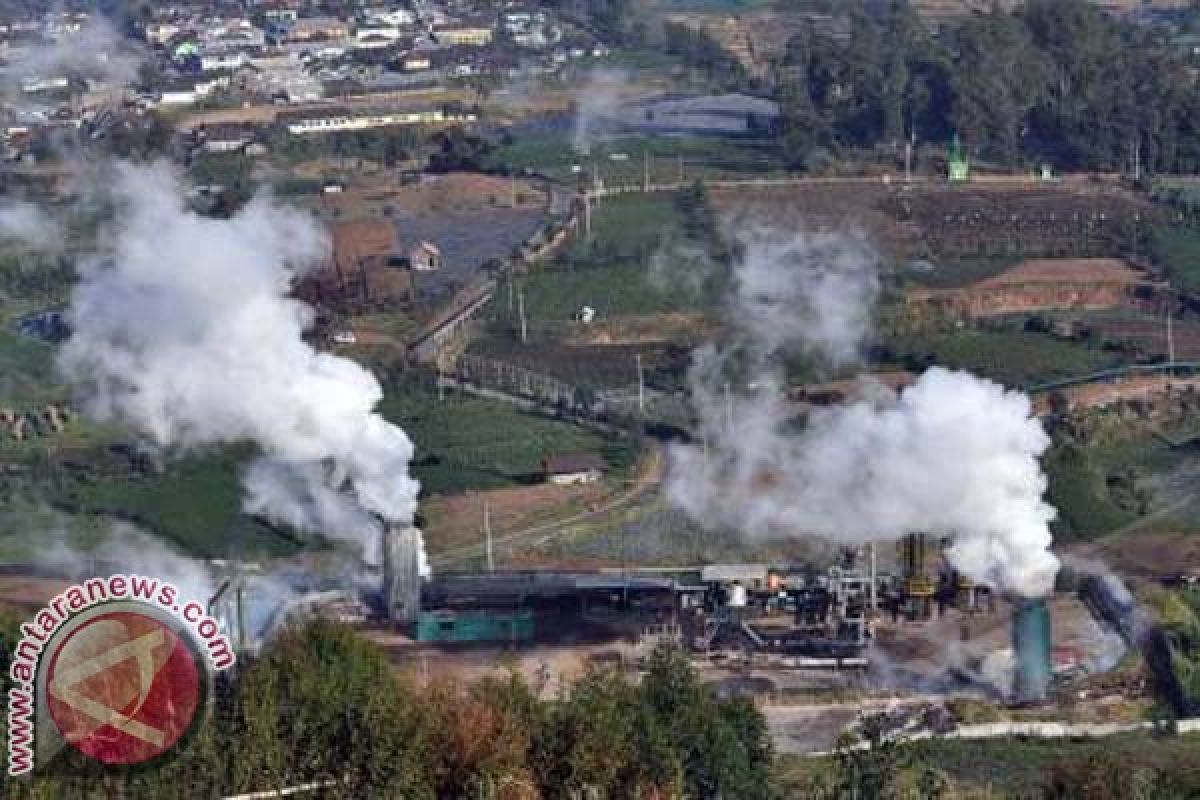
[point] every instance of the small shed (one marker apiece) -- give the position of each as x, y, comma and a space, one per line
570, 468
425, 257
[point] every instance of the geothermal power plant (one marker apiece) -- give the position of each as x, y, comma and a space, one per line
837, 625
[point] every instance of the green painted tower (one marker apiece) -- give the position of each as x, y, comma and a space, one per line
959, 167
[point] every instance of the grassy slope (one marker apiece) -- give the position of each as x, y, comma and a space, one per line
1089, 506
27, 376
1013, 357
612, 273
1178, 250
466, 442
195, 503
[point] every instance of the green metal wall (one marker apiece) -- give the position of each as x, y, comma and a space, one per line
475, 626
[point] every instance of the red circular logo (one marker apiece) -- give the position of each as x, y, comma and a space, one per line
123, 687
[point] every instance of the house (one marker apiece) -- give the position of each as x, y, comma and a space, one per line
337, 118
226, 138
424, 257
566, 469
217, 61
179, 94
476, 35
415, 63
395, 17
311, 29
162, 32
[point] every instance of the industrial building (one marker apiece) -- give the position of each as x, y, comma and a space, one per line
796, 622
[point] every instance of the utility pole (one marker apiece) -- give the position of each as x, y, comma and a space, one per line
521, 312
680, 163
645, 170
1170, 337
728, 408
1137, 160
641, 385
908, 155
872, 595
587, 216
487, 532
514, 190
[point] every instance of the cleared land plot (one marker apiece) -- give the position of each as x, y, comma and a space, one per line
651, 533
600, 366
1146, 554
458, 520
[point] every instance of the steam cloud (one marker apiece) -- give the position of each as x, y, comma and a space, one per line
186, 332
954, 455
30, 225
97, 51
137, 553
599, 99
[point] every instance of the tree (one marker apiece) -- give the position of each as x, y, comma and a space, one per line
458, 151
724, 746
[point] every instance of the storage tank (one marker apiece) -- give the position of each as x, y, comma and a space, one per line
1031, 636
737, 596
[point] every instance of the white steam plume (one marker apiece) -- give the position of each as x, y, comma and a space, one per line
187, 333
597, 100
132, 551
29, 225
813, 291
954, 455
97, 52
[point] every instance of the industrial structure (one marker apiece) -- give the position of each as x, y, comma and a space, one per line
790, 617
1031, 650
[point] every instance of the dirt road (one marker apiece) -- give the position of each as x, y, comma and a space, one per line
649, 477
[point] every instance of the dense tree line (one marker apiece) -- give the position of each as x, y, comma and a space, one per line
322, 704
698, 48
1056, 81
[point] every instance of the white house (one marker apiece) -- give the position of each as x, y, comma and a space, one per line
573, 468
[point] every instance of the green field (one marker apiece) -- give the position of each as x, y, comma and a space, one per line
629, 266
27, 375
465, 442
551, 153
195, 503
1177, 249
1115, 473
1012, 356
956, 273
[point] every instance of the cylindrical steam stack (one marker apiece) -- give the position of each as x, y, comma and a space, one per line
402, 574
1031, 650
